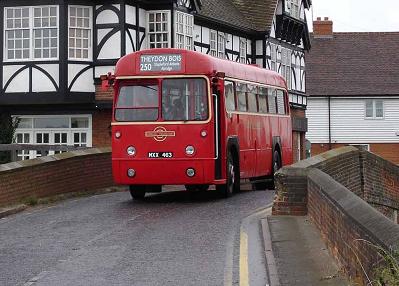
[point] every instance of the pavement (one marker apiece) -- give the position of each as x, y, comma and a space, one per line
296, 254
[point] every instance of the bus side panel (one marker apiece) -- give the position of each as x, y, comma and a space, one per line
264, 147
286, 140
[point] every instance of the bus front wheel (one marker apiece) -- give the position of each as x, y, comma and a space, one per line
232, 178
137, 191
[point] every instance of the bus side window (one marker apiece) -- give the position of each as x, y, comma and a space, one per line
241, 96
271, 96
280, 102
262, 99
251, 95
229, 96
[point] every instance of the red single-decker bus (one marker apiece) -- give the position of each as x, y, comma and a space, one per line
185, 118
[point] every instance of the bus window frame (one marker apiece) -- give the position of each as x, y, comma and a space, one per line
119, 80
131, 83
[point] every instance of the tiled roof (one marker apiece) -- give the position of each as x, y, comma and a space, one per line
248, 14
353, 64
260, 12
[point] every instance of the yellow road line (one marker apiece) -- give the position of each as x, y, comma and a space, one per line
244, 274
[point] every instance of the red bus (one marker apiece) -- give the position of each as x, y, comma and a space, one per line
184, 118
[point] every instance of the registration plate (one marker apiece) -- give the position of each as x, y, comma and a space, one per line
160, 155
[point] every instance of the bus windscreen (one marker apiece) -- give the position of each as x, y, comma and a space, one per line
184, 99
137, 103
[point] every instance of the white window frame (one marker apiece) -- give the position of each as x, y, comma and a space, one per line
213, 48
184, 28
243, 50
285, 70
273, 57
90, 32
32, 131
365, 147
168, 25
31, 29
374, 117
293, 8
221, 45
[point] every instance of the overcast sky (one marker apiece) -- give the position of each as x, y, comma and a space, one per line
358, 15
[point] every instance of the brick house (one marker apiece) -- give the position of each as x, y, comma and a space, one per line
54, 52
353, 91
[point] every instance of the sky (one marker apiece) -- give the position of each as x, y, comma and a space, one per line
358, 15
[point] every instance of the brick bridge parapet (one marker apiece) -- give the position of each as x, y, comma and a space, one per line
352, 197
75, 171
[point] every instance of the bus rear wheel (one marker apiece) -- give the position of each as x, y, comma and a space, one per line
232, 178
137, 191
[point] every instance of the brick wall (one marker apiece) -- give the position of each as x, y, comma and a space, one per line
348, 224
104, 95
388, 151
291, 182
102, 128
62, 173
381, 184
352, 196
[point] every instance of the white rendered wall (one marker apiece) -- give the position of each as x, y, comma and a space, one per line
348, 122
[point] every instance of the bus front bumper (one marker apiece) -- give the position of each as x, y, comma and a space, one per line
164, 172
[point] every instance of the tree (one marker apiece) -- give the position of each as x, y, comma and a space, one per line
8, 125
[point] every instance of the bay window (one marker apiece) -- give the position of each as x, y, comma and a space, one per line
184, 30
31, 33
158, 29
79, 32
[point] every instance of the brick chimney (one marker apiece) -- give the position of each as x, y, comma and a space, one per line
323, 28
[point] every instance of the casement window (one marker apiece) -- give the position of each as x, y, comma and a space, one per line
158, 29
213, 43
374, 109
184, 30
79, 32
221, 45
243, 50
74, 130
31, 33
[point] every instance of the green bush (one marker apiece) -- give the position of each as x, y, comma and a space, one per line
7, 132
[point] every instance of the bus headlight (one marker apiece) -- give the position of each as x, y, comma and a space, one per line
190, 172
131, 151
118, 134
190, 150
131, 173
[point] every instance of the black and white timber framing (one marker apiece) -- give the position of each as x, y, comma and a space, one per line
63, 84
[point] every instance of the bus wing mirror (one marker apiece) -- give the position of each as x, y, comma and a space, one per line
106, 81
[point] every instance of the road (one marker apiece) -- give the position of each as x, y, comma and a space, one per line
172, 238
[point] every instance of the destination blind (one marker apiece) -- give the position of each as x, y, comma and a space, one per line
164, 63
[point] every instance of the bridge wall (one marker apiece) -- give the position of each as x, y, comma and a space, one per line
75, 171
352, 196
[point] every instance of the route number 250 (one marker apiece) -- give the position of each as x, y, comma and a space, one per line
145, 67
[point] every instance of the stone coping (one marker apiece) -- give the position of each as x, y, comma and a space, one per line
371, 221
53, 158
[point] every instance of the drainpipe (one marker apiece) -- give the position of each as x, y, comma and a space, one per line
329, 123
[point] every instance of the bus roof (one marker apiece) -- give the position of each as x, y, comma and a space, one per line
160, 62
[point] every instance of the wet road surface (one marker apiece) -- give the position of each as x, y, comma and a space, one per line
172, 238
